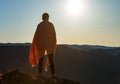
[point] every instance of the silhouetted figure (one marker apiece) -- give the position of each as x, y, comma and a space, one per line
44, 44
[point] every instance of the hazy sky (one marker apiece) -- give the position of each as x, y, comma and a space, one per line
95, 22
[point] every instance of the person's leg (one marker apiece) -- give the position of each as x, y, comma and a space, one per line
40, 63
52, 66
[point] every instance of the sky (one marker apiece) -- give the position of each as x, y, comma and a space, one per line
93, 22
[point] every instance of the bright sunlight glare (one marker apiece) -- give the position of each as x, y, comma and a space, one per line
75, 7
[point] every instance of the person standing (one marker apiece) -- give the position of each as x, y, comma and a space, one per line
43, 44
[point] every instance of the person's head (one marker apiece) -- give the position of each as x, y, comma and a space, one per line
45, 17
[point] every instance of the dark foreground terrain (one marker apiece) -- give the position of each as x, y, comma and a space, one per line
16, 77
84, 63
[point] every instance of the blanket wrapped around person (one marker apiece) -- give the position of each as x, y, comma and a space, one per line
44, 39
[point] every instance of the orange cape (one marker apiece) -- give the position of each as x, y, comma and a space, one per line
44, 39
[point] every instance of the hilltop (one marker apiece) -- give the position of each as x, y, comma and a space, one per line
17, 77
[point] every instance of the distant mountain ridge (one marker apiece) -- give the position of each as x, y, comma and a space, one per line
72, 45
112, 50
15, 44
91, 47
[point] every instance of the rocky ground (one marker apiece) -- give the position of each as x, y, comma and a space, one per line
17, 77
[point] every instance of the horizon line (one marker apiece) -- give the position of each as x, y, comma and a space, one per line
59, 44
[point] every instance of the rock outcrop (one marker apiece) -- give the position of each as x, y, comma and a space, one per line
17, 77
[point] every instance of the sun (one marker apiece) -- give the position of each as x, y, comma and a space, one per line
75, 7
